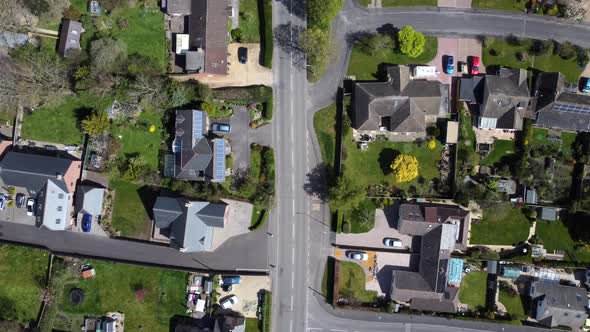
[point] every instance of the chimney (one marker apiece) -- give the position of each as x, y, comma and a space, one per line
58, 176
188, 204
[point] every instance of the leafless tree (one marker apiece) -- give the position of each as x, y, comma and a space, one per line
151, 89
15, 17
574, 9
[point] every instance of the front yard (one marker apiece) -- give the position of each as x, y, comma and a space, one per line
22, 272
352, 283
367, 67
501, 225
500, 52
514, 305
130, 213
473, 289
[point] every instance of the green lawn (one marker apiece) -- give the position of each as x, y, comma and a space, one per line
513, 304
506, 56
130, 215
138, 139
252, 325
365, 67
501, 148
513, 5
352, 283
249, 23
118, 287
324, 122
540, 138
56, 123
402, 3
473, 289
555, 236
501, 225
22, 272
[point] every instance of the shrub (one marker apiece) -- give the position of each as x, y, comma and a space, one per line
72, 13
267, 109
522, 56
236, 35
405, 168
567, 51
346, 228
411, 42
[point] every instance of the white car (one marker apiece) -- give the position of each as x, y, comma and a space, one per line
392, 242
30, 207
229, 302
357, 255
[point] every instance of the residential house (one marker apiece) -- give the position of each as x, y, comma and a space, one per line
89, 199
230, 324
499, 101
557, 305
558, 106
400, 106
419, 219
191, 224
207, 36
196, 157
69, 38
428, 289
51, 180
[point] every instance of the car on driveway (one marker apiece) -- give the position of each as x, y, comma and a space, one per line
20, 200
585, 84
242, 55
3, 199
357, 255
221, 127
229, 302
475, 65
30, 207
450, 64
392, 242
463, 67
86, 223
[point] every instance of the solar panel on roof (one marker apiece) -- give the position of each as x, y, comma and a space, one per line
197, 124
572, 108
219, 159
169, 162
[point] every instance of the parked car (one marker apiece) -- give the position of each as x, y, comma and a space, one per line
233, 280
357, 255
3, 199
243, 55
20, 200
30, 207
450, 64
392, 242
475, 65
585, 84
86, 223
229, 302
463, 67
222, 127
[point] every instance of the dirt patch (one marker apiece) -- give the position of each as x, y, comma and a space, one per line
247, 293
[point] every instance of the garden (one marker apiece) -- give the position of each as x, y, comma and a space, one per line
502, 224
473, 290
351, 283
555, 235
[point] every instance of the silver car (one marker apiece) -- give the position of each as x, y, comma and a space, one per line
357, 255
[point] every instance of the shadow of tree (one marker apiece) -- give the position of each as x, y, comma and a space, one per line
386, 157
317, 182
287, 39
296, 8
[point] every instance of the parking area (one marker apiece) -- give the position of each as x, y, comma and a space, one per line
239, 222
95, 228
247, 293
14, 214
460, 49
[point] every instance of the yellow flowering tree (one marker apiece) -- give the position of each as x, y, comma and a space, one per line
405, 168
432, 144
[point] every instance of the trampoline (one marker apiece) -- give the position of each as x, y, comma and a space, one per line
76, 296
455, 270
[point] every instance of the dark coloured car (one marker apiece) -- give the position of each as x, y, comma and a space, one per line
243, 55
20, 200
86, 223
222, 127
585, 84
450, 64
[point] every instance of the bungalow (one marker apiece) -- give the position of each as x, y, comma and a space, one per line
191, 224
399, 107
499, 101
557, 305
69, 38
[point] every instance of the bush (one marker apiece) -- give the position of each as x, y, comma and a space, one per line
266, 42
346, 228
567, 51
236, 35
253, 93
72, 13
522, 56
411, 42
267, 109
540, 47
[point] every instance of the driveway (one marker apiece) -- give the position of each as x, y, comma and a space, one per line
460, 49
247, 293
239, 219
242, 136
250, 73
14, 214
455, 3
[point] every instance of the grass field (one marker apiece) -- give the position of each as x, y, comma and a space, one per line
365, 67
540, 138
130, 216
22, 272
324, 125
513, 303
137, 139
512, 5
473, 289
501, 148
555, 236
352, 283
149, 297
249, 23
501, 225
402, 3
506, 56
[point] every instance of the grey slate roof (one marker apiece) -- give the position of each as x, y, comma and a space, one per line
208, 31
54, 203
69, 37
178, 7
195, 61
547, 87
89, 200
31, 171
400, 104
230, 324
555, 304
505, 99
191, 223
552, 117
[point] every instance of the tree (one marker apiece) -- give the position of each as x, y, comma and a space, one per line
321, 12
46, 8
522, 56
96, 124
108, 55
432, 144
315, 44
411, 42
378, 44
346, 195
567, 51
150, 89
405, 168
14, 16
540, 47
72, 13
573, 9
113, 4
236, 35
132, 168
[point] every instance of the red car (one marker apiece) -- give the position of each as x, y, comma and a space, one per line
475, 65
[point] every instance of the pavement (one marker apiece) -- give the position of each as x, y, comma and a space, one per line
455, 3
239, 220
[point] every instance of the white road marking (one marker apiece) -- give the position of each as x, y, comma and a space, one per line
293, 255
336, 330
291, 325
293, 232
291, 302
315, 329
293, 205
293, 279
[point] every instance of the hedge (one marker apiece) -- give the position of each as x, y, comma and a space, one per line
266, 40
267, 108
248, 94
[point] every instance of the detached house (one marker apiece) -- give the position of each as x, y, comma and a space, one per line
557, 305
51, 180
196, 157
558, 106
499, 101
191, 224
69, 38
401, 106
